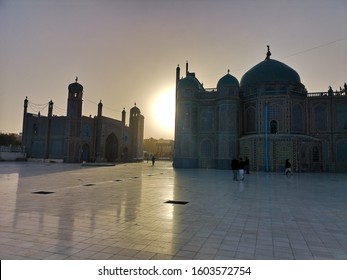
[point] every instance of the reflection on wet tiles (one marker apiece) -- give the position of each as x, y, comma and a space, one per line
301, 217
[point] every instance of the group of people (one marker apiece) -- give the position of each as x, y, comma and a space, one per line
239, 167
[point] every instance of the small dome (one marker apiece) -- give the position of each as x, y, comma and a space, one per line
227, 81
270, 71
75, 87
189, 83
135, 110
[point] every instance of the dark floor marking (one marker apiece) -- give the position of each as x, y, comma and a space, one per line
88, 185
42, 192
177, 202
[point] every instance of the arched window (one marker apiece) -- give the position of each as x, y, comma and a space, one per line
320, 117
273, 127
315, 154
297, 118
35, 129
206, 148
250, 119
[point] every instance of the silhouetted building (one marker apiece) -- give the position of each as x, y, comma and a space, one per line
77, 138
268, 117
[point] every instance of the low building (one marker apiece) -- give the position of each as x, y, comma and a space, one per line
77, 138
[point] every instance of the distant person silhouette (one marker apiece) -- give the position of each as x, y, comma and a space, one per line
241, 169
288, 166
234, 168
153, 160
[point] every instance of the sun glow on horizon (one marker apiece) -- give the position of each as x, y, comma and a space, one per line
164, 112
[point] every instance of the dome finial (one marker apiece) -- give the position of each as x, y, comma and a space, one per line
76, 79
268, 54
228, 71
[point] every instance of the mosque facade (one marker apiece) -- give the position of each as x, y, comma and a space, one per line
78, 138
267, 117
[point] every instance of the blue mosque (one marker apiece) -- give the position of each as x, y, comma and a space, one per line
267, 116
78, 138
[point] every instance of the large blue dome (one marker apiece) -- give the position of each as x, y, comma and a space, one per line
270, 71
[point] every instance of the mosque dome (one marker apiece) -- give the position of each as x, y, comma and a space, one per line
270, 71
75, 87
134, 111
227, 81
189, 82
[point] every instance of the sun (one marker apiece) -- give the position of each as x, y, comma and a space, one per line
164, 108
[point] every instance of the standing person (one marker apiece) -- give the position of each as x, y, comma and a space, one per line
288, 168
241, 169
153, 160
234, 167
247, 165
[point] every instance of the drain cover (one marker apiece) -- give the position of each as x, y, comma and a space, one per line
42, 192
88, 185
177, 202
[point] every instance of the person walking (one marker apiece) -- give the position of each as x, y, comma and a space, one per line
288, 166
247, 165
153, 160
234, 168
241, 169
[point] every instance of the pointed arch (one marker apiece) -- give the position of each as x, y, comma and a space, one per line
111, 148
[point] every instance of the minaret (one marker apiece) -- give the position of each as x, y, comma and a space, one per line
49, 124
100, 109
24, 127
73, 126
123, 155
178, 71
136, 125
98, 134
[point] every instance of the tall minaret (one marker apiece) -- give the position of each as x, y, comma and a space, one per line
74, 117
178, 71
24, 127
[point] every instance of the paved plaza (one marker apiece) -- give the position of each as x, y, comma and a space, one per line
68, 211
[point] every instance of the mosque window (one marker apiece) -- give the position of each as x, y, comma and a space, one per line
206, 148
320, 117
297, 118
250, 119
273, 127
315, 154
341, 117
35, 129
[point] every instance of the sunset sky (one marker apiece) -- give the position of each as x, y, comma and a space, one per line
126, 51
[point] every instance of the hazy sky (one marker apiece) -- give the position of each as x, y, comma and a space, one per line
126, 51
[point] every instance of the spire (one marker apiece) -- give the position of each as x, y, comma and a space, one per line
228, 71
76, 79
268, 54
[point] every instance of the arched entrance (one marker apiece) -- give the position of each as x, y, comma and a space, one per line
111, 148
85, 153
125, 154
310, 157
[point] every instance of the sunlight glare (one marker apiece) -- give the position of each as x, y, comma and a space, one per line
165, 111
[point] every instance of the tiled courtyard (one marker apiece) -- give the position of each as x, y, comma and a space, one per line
120, 212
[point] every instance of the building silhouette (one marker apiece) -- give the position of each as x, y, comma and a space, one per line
77, 138
268, 117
